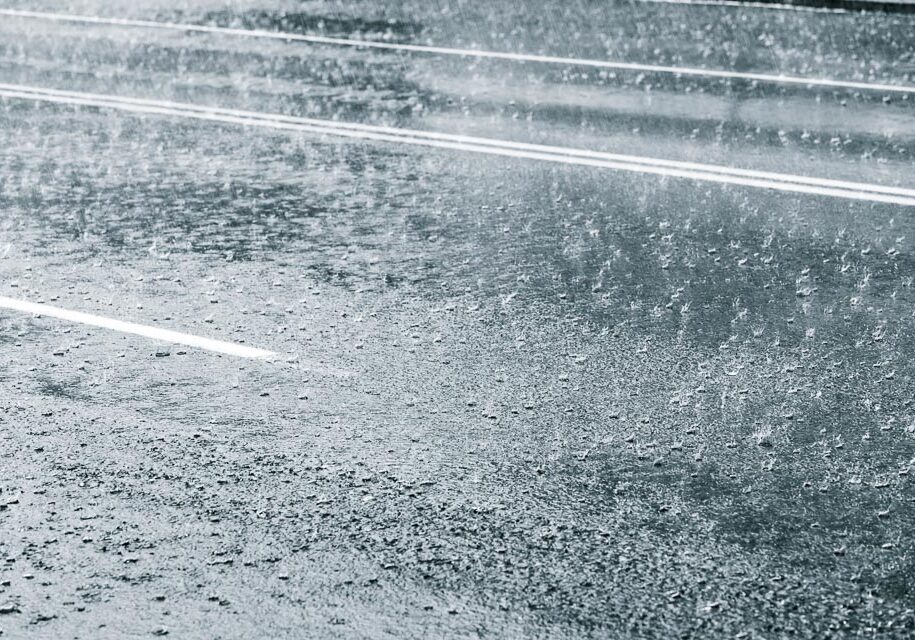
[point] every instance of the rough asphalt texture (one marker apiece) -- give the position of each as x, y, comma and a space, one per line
517, 399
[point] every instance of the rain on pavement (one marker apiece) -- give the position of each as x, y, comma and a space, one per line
505, 396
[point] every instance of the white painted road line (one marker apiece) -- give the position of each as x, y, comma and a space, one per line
92, 99
740, 4
564, 155
723, 74
154, 333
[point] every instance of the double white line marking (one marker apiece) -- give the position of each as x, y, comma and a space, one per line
722, 74
489, 146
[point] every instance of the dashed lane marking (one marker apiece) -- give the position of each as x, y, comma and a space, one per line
154, 333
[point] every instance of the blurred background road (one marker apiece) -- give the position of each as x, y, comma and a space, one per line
515, 391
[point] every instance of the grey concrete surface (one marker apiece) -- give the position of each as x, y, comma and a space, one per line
516, 399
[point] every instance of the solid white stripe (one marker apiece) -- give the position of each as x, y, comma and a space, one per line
739, 4
146, 331
499, 55
711, 173
110, 100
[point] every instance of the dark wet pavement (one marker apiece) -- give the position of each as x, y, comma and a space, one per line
516, 399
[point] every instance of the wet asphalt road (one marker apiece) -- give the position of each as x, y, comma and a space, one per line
515, 398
